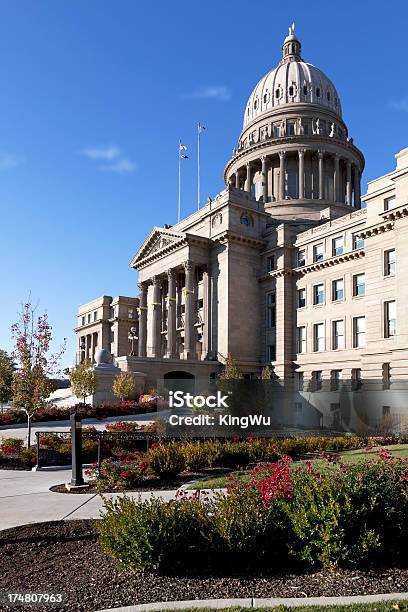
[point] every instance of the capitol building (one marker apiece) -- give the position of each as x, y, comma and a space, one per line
289, 266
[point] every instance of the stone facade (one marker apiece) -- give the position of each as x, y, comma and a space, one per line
105, 323
284, 267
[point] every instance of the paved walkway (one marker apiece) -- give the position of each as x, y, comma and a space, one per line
25, 498
19, 430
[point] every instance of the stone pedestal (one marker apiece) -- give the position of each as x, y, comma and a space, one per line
132, 364
105, 375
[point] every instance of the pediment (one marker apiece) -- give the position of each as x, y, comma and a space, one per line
157, 241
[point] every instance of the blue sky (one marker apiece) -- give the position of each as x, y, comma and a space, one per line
95, 95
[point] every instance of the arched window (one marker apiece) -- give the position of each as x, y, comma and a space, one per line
256, 104
291, 91
305, 90
317, 92
328, 96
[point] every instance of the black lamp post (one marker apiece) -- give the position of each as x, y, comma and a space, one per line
132, 337
77, 479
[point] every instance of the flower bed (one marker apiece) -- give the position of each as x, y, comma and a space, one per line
14, 456
285, 515
102, 411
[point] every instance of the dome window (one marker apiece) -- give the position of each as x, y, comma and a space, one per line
266, 97
305, 90
317, 92
256, 104
291, 91
328, 96
278, 92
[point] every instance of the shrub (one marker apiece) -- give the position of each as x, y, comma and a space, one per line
199, 456
118, 475
166, 460
11, 446
234, 454
152, 535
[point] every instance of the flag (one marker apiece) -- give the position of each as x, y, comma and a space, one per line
182, 147
183, 156
201, 128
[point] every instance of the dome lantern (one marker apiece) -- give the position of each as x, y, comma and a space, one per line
291, 47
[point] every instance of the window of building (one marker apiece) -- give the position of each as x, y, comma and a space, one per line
298, 408
358, 285
270, 263
335, 379
386, 411
317, 379
271, 309
318, 294
89, 318
338, 246
389, 203
328, 96
338, 289
318, 253
338, 334
390, 311
300, 381
83, 320
256, 104
358, 332
290, 127
318, 92
266, 97
358, 243
112, 335
278, 93
356, 379
301, 258
389, 262
301, 338
276, 130
318, 337
271, 352
291, 91
305, 90
386, 376
131, 313
301, 298
95, 315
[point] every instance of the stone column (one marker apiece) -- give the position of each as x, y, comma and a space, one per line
92, 348
237, 179
142, 310
156, 319
357, 193
206, 313
320, 155
88, 347
248, 177
171, 315
264, 179
189, 331
282, 155
301, 154
349, 187
336, 179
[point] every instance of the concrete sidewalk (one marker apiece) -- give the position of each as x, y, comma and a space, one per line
25, 498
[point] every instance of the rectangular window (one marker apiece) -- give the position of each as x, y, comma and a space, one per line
301, 337
389, 262
298, 407
358, 243
300, 381
290, 128
338, 334
386, 376
386, 411
301, 298
389, 203
319, 338
335, 379
356, 379
358, 332
338, 246
317, 380
390, 319
301, 258
89, 318
271, 309
83, 320
318, 294
271, 352
95, 315
270, 263
276, 130
131, 313
318, 253
112, 335
338, 289
358, 285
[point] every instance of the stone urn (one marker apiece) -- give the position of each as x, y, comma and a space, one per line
102, 357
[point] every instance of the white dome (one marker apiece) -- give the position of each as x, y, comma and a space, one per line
292, 82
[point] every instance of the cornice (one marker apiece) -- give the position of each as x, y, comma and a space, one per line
381, 228
229, 236
330, 262
395, 213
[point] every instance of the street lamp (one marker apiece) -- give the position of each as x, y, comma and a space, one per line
132, 337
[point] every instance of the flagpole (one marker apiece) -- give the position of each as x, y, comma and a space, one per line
179, 185
198, 165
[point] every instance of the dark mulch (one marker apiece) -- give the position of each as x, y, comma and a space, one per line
149, 484
65, 557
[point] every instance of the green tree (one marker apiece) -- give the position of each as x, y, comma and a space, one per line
83, 380
35, 365
123, 385
231, 370
6, 378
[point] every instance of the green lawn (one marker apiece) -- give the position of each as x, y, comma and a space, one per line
399, 451
386, 606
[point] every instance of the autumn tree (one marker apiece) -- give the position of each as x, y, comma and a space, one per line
35, 365
83, 380
123, 385
6, 378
